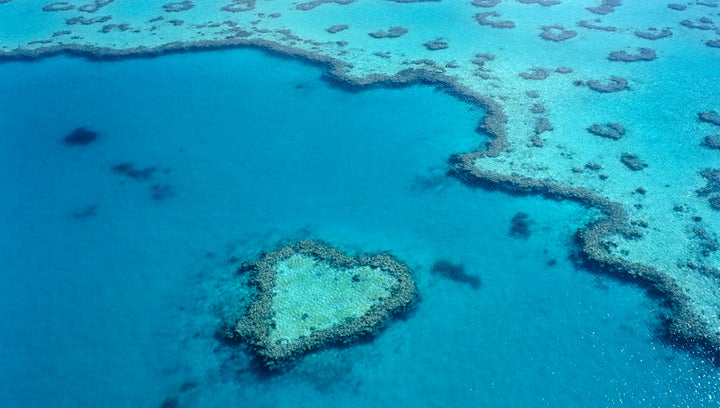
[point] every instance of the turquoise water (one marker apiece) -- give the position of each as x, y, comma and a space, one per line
119, 308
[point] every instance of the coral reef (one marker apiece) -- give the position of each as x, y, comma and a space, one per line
711, 117
537, 108
703, 23
542, 125
615, 84
609, 130
309, 5
654, 34
711, 142
606, 7
676, 6
632, 161
310, 295
392, 32
544, 3
94, 6
337, 28
485, 3
483, 19
239, 6
535, 73
58, 6
178, 6
556, 33
711, 190
591, 26
435, 45
645, 54
87, 21
683, 326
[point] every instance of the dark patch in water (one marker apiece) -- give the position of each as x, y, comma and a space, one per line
160, 192
430, 182
632, 161
188, 385
520, 226
455, 272
128, 169
226, 334
170, 402
86, 212
80, 137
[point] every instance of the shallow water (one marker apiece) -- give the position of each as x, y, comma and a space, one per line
119, 308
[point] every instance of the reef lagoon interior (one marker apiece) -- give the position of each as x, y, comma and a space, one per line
548, 170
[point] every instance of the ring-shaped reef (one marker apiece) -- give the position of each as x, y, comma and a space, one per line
310, 295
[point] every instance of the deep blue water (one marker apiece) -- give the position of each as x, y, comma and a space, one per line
118, 308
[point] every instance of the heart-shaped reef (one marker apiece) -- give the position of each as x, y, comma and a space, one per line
310, 295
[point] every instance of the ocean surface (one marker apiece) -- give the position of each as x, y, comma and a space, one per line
113, 283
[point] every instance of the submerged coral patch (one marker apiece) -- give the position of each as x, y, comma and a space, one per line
435, 45
644, 54
455, 272
94, 6
591, 26
556, 33
711, 190
58, 6
129, 170
615, 84
606, 7
312, 4
483, 19
544, 3
653, 34
542, 125
632, 161
238, 6
536, 74
711, 142
703, 23
337, 28
179, 6
80, 137
392, 32
161, 192
310, 295
676, 6
520, 226
608, 130
87, 21
485, 3
710, 117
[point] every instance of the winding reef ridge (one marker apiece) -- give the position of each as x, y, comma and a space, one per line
648, 220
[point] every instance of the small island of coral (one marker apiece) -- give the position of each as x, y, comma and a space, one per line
310, 295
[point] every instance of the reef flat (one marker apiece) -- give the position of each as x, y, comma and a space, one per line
643, 65
310, 295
